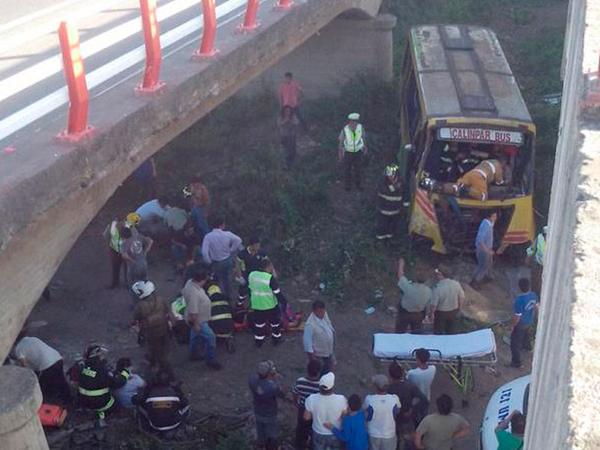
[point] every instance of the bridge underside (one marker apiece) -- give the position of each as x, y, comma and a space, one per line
49, 192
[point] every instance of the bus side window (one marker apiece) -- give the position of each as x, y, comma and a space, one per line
411, 103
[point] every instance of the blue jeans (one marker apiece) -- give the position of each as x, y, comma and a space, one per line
208, 338
222, 271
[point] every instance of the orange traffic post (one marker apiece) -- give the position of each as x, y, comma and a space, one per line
207, 47
151, 83
77, 127
283, 5
250, 24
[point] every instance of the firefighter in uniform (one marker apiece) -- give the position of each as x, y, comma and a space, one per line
351, 149
389, 203
162, 406
96, 381
535, 256
152, 315
476, 181
221, 314
265, 302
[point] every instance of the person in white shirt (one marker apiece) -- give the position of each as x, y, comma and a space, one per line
325, 407
47, 363
152, 218
422, 376
381, 410
219, 249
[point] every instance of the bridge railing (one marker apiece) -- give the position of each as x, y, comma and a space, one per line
78, 81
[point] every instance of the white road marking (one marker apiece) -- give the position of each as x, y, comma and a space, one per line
24, 79
29, 34
58, 98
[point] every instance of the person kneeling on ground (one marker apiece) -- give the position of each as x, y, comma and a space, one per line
354, 431
133, 385
96, 381
162, 406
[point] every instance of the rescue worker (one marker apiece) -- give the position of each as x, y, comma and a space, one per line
352, 147
96, 381
162, 405
414, 300
455, 163
476, 181
389, 203
152, 315
265, 300
112, 235
221, 315
535, 257
247, 260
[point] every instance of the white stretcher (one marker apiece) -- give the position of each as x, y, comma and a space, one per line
457, 353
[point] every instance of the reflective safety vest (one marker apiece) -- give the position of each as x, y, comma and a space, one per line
538, 249
178, 307
115, 237
94, 389
261, 294
353, 141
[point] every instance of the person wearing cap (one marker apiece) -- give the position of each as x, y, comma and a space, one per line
152, 315
414, 300
535, 257
113, 236
96, 381
266, 388
325, 409
446, 300
389, 203
352, 147
381, 410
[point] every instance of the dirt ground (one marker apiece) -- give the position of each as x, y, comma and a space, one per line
82, 309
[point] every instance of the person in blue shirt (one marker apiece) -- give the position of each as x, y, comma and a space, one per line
524, 307
484, 249
354, 426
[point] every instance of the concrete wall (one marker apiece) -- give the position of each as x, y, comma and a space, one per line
346, 46
564, 403
50, 192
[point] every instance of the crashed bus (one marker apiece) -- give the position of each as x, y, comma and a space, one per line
467, 139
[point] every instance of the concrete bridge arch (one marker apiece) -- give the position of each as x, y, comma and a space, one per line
49, 192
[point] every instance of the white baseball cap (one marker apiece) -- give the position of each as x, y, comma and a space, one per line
354, 116
327, 381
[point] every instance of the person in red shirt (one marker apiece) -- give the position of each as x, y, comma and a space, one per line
290, 94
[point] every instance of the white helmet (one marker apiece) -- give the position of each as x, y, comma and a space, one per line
143, 289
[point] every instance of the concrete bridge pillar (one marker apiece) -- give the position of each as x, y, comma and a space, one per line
20, 399
349, 45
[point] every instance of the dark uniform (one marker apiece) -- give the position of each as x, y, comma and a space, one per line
248, 262
152, 314
162, 406
95, 384
389, 205
221, 314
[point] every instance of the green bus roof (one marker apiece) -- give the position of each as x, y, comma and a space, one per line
462, 71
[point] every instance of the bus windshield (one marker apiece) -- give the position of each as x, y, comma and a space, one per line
448, 161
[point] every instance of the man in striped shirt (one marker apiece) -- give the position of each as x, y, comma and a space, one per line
304, 387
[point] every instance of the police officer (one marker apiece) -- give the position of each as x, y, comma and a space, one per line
389, 203
152, 315
96, 381
265, 300
351, 149
162, 405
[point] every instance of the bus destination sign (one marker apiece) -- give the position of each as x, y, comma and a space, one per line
483, 135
